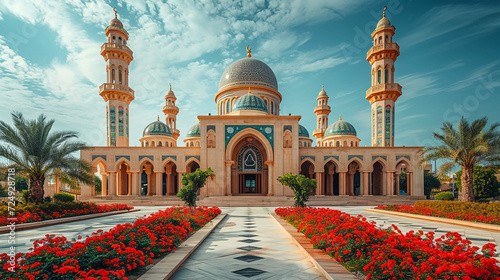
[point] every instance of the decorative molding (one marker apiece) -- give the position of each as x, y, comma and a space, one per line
311, 157
335, 157
349, 157
212, 127
400, 157
266, 130
150, 157
168, 156
98, 156
287, 127
122, 156
196, 157
383, 157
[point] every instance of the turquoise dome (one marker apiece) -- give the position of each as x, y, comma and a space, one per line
157, 128
303, 131
194, 131
340, 127
249, 102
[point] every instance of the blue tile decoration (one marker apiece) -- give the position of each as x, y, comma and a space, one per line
168, 156
194, 131
311, 157
248, 71
150, 157
349, 157
383, 157
122, 156
212, 127
266, 130
400, 157
287, 127
327, 157
98, 156
196, 157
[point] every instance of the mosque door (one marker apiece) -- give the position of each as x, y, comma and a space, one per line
250, 170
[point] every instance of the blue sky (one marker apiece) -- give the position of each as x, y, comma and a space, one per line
448, 67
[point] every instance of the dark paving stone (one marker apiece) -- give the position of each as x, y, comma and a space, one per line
249, 230
249, 272
248, 235
249, 258
249, 240
249, 248
250, 226
477, 239
429, 228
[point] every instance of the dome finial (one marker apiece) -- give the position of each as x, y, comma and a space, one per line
322, 86
385, 8
116, 15
249, 51
170, 84
249, 90
158, 118
340, 117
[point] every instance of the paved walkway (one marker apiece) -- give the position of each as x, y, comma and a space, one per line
25, 238
248, 244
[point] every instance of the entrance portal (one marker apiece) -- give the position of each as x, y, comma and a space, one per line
250, 183
249, 176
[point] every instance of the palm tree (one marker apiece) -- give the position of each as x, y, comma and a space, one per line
467, 146
34, 150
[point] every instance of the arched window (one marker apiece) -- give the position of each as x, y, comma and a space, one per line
191, 144
380, 39
114, 39
159, 144
276, 109
386, 78
300, 143
352, 144
379, 125
227, 106
120, 76
379, 74
147, 144
386, 39
265, 102
272, 108
113, 78
120, 121
119, 40
388, 125
338, 144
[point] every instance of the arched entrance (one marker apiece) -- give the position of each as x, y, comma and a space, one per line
249, 175
377, 178
401, 178
124, 179
147, 179
331, 179
169, 179
192, 167
353, 179
307, 169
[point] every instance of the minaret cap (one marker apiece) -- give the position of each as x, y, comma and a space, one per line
322, 93
170, 93
340, 117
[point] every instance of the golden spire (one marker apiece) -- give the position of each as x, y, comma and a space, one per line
248, 90
385, 8
340, 117
249, 51
114, 9
158, 118
170, 84
322, 86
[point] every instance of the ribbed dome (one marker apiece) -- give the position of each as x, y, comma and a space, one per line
116, 22
340, 127
248, 71
157, 128
303, 131
384, 22
322, 93
249, 102
194, 131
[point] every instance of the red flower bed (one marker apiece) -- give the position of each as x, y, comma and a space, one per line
111, 254
463, 216
388, 253
59, 210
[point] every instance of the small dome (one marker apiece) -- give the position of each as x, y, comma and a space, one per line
322, 93
116, 22
340, 127
157, 128
303, 131
170, 93
248, 71
249, 102
383, 23
194, 131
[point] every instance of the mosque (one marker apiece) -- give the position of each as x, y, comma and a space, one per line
248, 144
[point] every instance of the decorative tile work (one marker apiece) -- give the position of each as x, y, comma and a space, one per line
97, 156
327, 157
311, 157
150, 157
303, 131
349, 157
249, 102
287, 127
248, 240
194, 131
383, 157
249, 248
406, 157
168, 156
249, 272
188, 157
212, 127
248, 71
248, 258
266, 130
125, 157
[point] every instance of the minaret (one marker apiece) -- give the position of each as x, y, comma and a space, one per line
321, 111
116, 92
384, 92
171, 111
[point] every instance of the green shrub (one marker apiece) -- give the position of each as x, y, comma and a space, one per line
444, 196
64, 197
25, 196
47, 199
486, 209
49, 207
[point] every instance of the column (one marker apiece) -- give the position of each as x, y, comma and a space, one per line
397, 183
179, 180
409, 183
270, 181
112, 183
342, 185
389, 183
170, 184
104, 185
330, 183
148, 173
228, 178
366, 183
319, 184
129, 185
158, 183
136, 183
350, 185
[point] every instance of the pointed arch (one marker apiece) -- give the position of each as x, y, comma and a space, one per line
249, 132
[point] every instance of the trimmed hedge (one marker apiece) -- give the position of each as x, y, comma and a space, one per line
486, 209
444, 196
64, 197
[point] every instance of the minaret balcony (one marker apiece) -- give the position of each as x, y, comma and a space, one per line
116, 48
170, 109
385, 47
116, 92
322, 109
384, 91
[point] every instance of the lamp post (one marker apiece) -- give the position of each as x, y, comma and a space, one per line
453, 176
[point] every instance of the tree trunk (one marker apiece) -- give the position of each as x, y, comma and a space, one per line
36, 187
468, 184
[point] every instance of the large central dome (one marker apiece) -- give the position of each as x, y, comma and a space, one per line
248, 72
